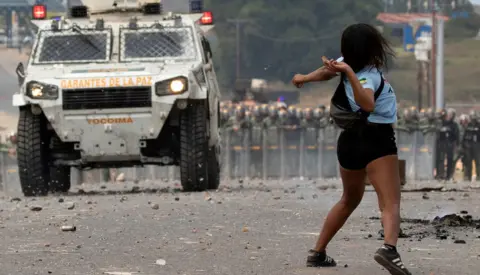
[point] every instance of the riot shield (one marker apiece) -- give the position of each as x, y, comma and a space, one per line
329, 137
225, 155
256, 153
425, 161
406, 144
310, 153
173, 173
8, 171
273, 153
291, 157
140, 173
160, 173
238, 153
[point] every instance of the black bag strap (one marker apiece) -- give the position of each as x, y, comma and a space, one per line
380, 88
340, 96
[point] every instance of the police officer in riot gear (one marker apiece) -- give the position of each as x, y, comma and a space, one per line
264, 110
463, 122
237, 126
428, 122
230, 106
292, 120
309, 120
404, 121
432, 119
272, 119
239, 121
224, 118
423, 124
320, 117
299, 115
223, 105
322, 107
471, 146
329, 120
283, 116
413, 121
256, 142
447, 141
257, 115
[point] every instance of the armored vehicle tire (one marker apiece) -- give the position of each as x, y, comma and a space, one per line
194, 147
60, 181
213, 170
32, 153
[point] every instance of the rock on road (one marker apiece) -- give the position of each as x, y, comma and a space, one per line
249, 228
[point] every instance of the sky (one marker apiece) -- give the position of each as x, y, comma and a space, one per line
477, 2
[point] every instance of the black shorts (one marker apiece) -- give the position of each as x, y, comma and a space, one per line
359, 146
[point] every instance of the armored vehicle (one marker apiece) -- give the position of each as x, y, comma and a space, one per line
119, 84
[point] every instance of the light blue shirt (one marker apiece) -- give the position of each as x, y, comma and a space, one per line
386, 105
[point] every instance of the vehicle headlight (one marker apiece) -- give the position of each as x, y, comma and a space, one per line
172, 86
37, 90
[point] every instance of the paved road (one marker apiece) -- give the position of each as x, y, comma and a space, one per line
248, 228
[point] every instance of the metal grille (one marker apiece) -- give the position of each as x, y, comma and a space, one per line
110, 98
72, 47
157, 44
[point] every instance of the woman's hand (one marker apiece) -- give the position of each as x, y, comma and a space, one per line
298, 80
335, 66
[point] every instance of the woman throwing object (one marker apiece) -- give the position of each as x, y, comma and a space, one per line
364, 105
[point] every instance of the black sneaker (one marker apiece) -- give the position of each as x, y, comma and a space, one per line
391, 261
316, 259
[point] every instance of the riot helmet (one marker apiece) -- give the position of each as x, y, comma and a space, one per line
451, 114
318, 113
240, 112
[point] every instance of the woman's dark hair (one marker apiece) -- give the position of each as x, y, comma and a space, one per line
363, 45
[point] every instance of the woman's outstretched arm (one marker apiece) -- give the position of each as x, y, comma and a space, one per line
321, 74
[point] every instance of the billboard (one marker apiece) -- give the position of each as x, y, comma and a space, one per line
412, 31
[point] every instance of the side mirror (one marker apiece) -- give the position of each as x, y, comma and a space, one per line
20, 71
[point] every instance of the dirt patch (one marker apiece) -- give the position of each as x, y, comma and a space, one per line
441, 228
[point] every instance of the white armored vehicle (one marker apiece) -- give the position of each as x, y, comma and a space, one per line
119, 84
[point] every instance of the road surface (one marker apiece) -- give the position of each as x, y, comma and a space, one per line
244, 228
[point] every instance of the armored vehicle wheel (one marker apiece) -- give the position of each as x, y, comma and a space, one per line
194, 148
60, 181
213, 170
32, 153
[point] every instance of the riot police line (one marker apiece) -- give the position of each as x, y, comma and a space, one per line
430, 142
290, 152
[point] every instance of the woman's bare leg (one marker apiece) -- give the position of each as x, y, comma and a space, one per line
353, 189
384, 176
381, 206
